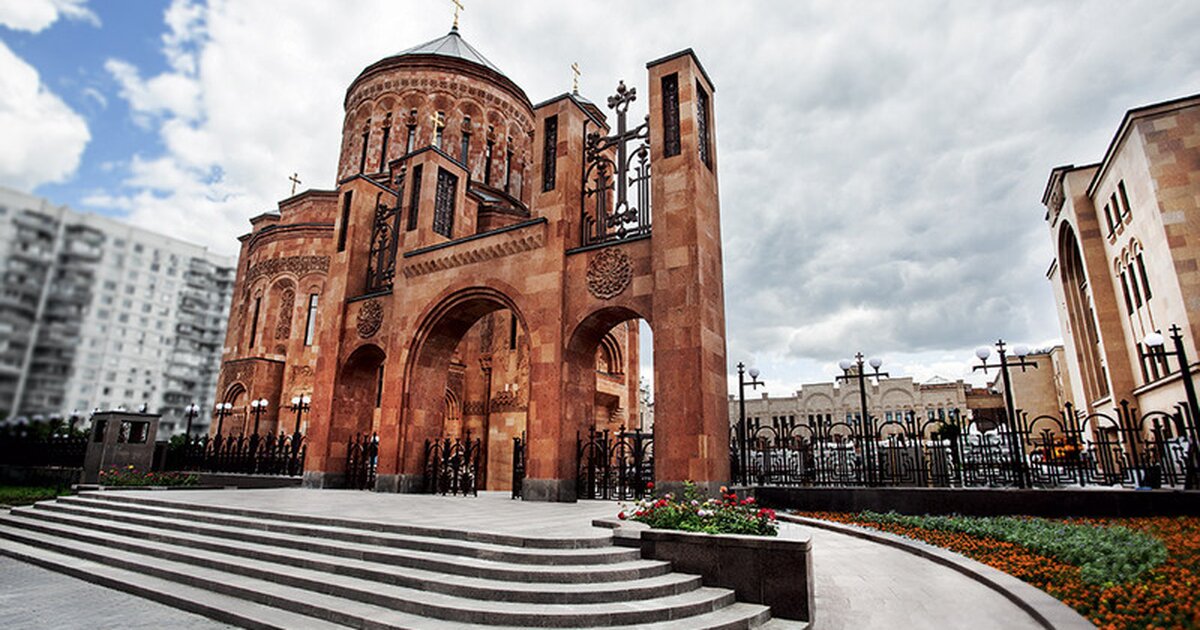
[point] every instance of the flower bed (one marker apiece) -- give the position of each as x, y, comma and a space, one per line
1119, 573
117, 477
692, 513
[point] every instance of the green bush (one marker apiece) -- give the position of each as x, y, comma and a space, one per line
727, 515
130, 476
25, 495
1105, 555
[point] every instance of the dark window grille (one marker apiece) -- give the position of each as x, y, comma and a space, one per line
610, 213
549, 153
414, 198
443, 207
1125, 290
702, 118
385, 237
508, 165
254, 322
345, 226
670, 113
465, 150
412, 139
512, 331
487, 161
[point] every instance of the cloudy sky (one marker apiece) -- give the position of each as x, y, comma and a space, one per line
881, 162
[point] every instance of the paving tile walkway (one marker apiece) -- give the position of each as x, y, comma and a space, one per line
862, 584
33, 598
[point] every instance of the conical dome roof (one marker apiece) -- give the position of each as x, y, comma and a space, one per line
451, 45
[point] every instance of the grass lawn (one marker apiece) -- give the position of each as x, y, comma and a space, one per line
24, 495
1119, 573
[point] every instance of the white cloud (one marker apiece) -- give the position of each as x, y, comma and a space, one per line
881, 164
36, 15
43, 139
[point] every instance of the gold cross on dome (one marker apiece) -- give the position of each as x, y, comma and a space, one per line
295, 179
575, 80
458, 6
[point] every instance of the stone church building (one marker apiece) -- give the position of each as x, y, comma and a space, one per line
480, 269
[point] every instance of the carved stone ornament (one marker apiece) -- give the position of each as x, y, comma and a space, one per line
370, 318
608, 273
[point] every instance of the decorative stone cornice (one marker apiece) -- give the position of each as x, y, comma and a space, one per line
499, 246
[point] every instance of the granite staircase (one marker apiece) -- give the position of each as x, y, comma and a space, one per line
259, 569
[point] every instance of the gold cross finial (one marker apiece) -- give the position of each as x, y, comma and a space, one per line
436, 118
458, 6
575, 80
295, 179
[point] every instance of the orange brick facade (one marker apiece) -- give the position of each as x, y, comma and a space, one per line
453, 293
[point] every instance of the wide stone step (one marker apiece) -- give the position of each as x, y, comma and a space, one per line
129, 512
355, 602
249, 559
600, 539
431, 561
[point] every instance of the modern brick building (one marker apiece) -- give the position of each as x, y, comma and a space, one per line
95, 313
481, 267
1127, 237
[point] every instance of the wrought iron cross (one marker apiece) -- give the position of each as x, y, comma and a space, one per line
458, 6
575, 80
295, 179
619, 103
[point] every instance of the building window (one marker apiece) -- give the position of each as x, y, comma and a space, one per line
383, 144
1141, 263
362, 160
512, 332
439, 126
254, 321
345, 220
508, 161
1124, 200
549, 153
1108, 218
411, 142
311, 323
379, 387
487, 158
443, 208
465, 149
1125, 290
414, 198
702, 125
670, 103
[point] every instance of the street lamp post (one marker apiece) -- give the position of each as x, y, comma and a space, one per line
223, 410
300, 404
190, 412
1020, 351
1154, 342
868, 427
743, 430
258, 408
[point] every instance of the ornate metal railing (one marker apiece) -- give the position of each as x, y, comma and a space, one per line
362, 456
267, 454
65, 451
1125, 448
608, 213
452, 466
614, 465
518, 466
385, 237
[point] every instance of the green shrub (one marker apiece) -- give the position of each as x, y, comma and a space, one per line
727, 515
25, 495
1105, 555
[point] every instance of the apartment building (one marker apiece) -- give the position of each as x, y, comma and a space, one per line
95, 313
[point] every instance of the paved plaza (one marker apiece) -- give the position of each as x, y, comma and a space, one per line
859, 583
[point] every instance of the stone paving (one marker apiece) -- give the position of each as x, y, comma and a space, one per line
33, 598
859, 583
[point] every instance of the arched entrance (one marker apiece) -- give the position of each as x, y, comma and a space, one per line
467, 379
235, 419
357, 411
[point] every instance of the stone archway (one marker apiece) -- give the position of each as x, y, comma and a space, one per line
357, 412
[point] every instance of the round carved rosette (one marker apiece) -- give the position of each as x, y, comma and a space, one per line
608, 273
370, 318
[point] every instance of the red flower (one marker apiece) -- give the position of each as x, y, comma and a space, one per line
621, 516
649, 485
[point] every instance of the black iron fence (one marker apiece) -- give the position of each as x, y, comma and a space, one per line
268, 454
57, 450
1125, 448
616, 465
362, 455
452, 466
